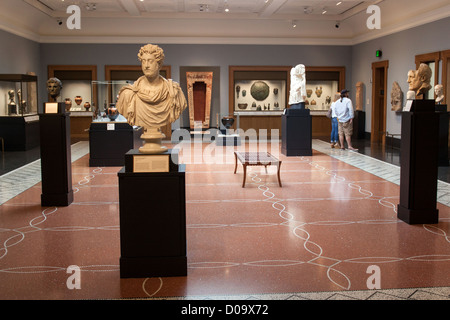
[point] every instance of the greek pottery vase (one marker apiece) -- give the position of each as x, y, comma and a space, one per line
68, 103
242, 106
87, 105
308, 93
78, 100
112, 112
228, 122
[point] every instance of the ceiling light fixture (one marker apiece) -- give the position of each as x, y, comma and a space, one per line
339, 3
294, 23
91, 6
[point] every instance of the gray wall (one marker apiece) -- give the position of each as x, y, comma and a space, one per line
400, 50
178, 56
19, 55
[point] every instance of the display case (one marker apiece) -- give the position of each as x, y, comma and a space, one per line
19, 121
110, 135
259, 96
19, 92
106, 93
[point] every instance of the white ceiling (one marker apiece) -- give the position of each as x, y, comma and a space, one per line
205, 21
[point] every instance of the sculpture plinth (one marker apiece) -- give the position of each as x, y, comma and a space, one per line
153, 138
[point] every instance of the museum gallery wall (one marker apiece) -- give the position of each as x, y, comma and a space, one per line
399, 49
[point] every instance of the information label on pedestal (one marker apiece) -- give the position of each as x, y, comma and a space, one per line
51, 107
151, 163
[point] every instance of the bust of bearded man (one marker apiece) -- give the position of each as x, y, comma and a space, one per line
152, 101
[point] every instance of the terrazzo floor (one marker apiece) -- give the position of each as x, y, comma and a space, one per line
315, 238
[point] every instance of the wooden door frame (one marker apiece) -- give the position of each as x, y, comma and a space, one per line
377, 65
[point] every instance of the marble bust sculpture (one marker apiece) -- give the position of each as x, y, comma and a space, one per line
54, 86
152, 101
297, 94
419, 80
439, 91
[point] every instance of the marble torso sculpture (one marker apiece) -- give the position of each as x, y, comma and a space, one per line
297, 94
439, 91
152, 101
396, 97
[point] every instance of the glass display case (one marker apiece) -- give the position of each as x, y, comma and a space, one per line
19, 95
106, 93
260, 95
19, 119
319, 94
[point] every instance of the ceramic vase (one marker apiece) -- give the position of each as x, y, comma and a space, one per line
68, 103
112, 112
78, 100
228, 122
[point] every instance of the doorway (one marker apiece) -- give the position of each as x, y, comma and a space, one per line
379, 91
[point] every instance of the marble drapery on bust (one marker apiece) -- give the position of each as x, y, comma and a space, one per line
148, 108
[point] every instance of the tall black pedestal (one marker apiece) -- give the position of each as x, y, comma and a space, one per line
56, 160
152, 221
441, 110
296, 128
419, 164
359, 125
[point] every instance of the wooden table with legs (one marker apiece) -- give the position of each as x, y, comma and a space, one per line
256, 159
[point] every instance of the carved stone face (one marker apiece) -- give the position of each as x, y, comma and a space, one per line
420, 83
150, 66
416, 83
411, 75
53, 88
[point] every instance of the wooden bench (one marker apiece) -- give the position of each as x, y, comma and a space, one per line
256, 159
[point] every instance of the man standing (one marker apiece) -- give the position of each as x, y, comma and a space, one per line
344, 112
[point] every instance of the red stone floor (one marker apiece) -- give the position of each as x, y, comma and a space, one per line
319, 232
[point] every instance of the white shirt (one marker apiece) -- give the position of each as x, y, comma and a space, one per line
343, 109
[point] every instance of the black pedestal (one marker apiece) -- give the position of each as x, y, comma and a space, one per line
296, 126
441, 110
108, 143
152, 222
419, 162
20, 133
56, 160
359, 125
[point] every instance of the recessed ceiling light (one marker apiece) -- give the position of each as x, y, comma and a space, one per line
339, 3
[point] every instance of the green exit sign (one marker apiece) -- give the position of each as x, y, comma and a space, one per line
378, 53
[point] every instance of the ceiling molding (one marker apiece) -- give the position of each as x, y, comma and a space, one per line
9, 23
130, 7
425, 18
